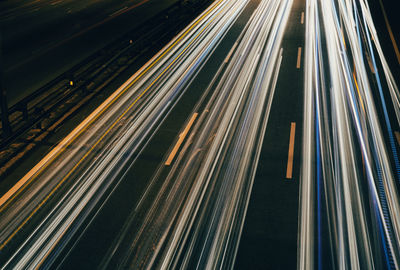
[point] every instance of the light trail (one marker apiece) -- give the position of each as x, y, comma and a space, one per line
73, 178
196, 218
191, 213
349, 208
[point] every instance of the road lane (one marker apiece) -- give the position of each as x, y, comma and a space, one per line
349, 192
62, 146
194, 169
207, 190
178, 64
269, 239
157, 151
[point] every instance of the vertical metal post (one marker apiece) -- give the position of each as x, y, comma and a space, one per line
3, 97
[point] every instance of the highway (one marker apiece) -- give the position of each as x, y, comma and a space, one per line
254, 104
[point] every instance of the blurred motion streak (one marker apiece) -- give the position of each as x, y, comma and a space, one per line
196, 218
203, 200
349, 210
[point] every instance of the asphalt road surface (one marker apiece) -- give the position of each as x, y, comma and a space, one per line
263, 136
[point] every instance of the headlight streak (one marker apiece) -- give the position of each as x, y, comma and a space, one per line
350, 145
349, 213
129, 123
392, 86
196, 219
